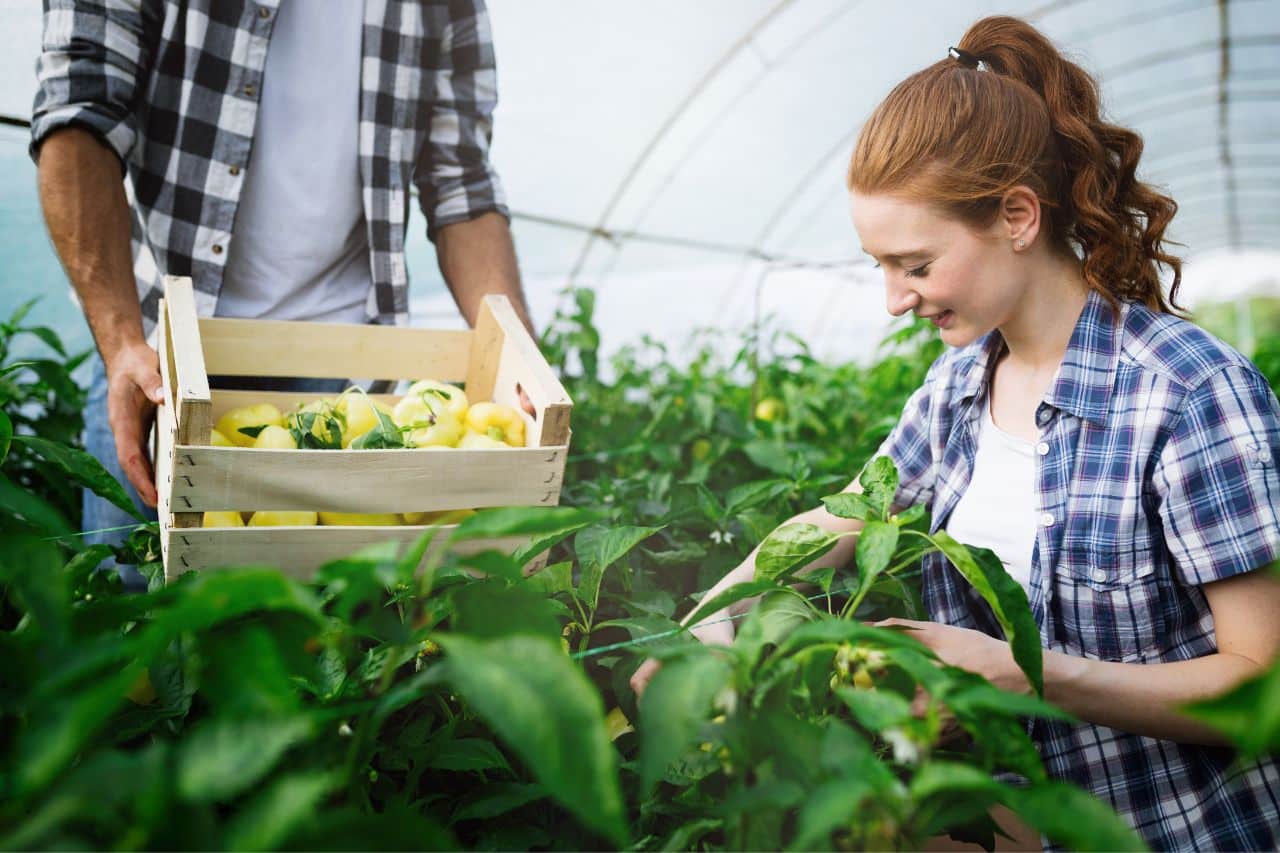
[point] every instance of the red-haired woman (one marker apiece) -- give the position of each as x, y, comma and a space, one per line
1118, 459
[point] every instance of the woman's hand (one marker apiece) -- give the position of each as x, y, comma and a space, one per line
717, 634
968, 649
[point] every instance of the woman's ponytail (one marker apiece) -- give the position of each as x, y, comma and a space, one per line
1028, 116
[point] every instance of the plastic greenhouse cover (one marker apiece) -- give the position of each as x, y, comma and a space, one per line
705, 142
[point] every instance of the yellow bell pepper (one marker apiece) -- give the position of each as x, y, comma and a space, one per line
433, 415
222, 519
275, 438
282, 518
248, 417
501, 423
360, 412
360, 519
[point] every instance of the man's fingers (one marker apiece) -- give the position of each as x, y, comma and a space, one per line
137, 467
640, 678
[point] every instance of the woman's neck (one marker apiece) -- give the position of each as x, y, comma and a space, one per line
1040, 328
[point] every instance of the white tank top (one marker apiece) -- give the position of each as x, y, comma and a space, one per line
999, 509
299, 249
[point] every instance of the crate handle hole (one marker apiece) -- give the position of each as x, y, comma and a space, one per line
519, 394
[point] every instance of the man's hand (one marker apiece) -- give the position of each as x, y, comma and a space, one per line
134, 390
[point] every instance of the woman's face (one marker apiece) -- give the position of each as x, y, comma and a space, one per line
966, 282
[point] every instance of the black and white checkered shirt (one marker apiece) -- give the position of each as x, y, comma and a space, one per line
173, 87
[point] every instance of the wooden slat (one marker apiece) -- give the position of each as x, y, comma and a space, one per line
164, 434
189, 383
299, 551
239, 478
333, 350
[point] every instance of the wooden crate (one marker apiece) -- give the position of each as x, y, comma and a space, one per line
494, 362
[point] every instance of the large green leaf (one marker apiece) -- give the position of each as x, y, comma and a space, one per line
879, 480
792, 547
285, 806
948, 794
32, 509
225, 756
600, 547
1072, 818
83, 469
6, 435
754, 494
1008, 600
826, 808
849, 505
1248, 715
732, 595
546, 711
520, 521
876, 545
674, 707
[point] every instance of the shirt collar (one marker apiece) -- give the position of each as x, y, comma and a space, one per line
1086, 377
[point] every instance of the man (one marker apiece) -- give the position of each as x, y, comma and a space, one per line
268, 150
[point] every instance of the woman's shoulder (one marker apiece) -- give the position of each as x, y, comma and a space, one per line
1179, 351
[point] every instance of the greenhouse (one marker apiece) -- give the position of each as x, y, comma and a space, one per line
857, 422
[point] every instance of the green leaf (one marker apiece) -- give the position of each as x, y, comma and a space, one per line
792, 547
599, 547
49, 336
875, 710
33, 509
546, 711
225, 756
385, 435
880, 484
1072, 818
255, 431
754, 494
83, 469
911, 515
520, 521
780, 612
496, 799
552, 579
492, 608
732, 595
6, 435
827, 808
982, 568
673, 709
288, 804
1248, 715
464, 754
948, 794
849, 505
876, 545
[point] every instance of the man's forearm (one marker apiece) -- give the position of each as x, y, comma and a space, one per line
87, 214
1140, 698
477, 258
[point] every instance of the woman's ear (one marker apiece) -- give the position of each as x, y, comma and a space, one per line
1020, 217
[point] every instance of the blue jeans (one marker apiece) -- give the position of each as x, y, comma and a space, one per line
100, 514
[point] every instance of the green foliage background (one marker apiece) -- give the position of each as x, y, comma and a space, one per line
383, 707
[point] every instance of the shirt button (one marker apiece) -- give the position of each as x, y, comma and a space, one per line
1043, 448
235, 170
249, 90
1046, 519
217, 250
264, 13
1098, 575
1042, 416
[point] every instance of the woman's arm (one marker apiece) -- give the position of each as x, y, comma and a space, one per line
1136, 697
1140, 698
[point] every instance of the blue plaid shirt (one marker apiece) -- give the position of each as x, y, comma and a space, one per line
1157, 474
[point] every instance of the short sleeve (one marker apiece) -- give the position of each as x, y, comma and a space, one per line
455, 178
908, 445
1216, 478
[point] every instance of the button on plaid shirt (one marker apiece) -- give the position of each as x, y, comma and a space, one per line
173, 85
1156, 474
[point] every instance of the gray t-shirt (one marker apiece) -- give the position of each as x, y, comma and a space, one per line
299, 249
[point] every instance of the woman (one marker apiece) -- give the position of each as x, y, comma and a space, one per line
1119, 460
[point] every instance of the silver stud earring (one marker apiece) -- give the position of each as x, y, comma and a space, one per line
1022, 244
